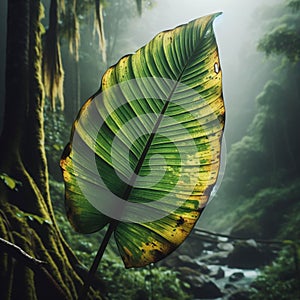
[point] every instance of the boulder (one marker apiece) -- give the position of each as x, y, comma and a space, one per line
236, 276
203, 269
187, 261
225, 247
230, 287
209, 246
247, 255
216, 272
176, 261
203, 287
240, 295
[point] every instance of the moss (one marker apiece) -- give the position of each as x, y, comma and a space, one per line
23, 279
24, 157
41, 240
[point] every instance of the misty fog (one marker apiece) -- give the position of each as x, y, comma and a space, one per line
238, 30
245, 70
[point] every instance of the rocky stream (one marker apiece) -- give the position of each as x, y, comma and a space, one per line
216, 267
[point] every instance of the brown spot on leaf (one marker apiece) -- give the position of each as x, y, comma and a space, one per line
180, 221
158, 255
221, 118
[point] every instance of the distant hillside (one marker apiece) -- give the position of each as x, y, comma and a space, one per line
260, 192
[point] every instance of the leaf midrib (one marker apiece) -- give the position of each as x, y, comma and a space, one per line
141, 160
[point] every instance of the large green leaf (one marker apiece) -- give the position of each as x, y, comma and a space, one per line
145, 150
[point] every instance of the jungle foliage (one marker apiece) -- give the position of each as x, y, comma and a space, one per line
34, 79
259, 195
261, 182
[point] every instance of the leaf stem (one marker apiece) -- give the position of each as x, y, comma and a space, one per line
97, 259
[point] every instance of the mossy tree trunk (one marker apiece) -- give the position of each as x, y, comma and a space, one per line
26, 215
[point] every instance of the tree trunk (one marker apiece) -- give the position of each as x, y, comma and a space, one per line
27, 218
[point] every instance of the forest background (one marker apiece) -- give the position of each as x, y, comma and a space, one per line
56, 55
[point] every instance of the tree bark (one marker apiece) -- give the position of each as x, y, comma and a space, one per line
23, 158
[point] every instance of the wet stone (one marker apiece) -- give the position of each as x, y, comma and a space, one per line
236, 276
216, 272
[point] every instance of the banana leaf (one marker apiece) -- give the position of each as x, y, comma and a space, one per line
144, 152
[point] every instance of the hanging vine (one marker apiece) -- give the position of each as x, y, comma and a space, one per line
53, 73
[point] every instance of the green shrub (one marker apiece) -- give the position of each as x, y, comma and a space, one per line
281, 280
141, 284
